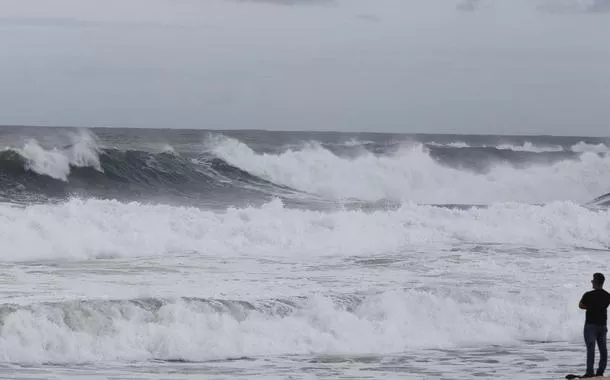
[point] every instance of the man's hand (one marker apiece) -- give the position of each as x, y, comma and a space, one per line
582, 306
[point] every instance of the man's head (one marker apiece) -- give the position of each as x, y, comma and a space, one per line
598, 281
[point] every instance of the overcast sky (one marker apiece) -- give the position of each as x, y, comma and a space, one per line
495, 66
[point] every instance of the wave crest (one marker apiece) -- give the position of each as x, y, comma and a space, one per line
94, 228
195, 329
411, 172
227, 171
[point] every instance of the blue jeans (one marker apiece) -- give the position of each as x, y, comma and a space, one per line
596, 334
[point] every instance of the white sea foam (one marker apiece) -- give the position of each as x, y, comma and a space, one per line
438, 298
56, 162
455, 144
584, 147
411, 174
93, 228
167, 148
525, 147
391, 322
528, 146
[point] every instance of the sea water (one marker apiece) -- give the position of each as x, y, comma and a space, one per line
158, 254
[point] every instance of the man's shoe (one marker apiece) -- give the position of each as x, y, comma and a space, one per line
587, 375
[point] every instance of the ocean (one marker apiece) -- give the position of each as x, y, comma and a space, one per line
202, 254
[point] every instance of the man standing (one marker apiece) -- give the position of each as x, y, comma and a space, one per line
596, 302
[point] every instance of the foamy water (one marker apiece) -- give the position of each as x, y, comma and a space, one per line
98, 287
90, 229
295, 297
81, 151
411, 174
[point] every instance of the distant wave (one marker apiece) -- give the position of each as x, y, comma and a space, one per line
225, 170
527, 146
414, 172
76, 170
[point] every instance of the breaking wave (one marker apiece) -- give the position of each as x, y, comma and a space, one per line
196, 329
226, 170
413, 172
96, 228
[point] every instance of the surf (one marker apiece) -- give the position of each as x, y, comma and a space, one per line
89, 229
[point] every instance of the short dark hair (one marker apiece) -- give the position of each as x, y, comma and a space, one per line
598, 278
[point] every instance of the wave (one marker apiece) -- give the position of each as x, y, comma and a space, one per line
196, 329
412, 172
528, 146
602, 200
85, 229
84, 169
56, 163
226, 171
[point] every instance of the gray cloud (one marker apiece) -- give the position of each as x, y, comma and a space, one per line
600, 5
574, 6
290, 2
47, 22
467, 5
553, 6
64, 22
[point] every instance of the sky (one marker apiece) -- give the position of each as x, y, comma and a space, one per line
435, 66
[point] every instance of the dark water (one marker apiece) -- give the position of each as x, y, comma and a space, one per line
181, 166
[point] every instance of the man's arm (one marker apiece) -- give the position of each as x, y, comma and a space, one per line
581, 304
